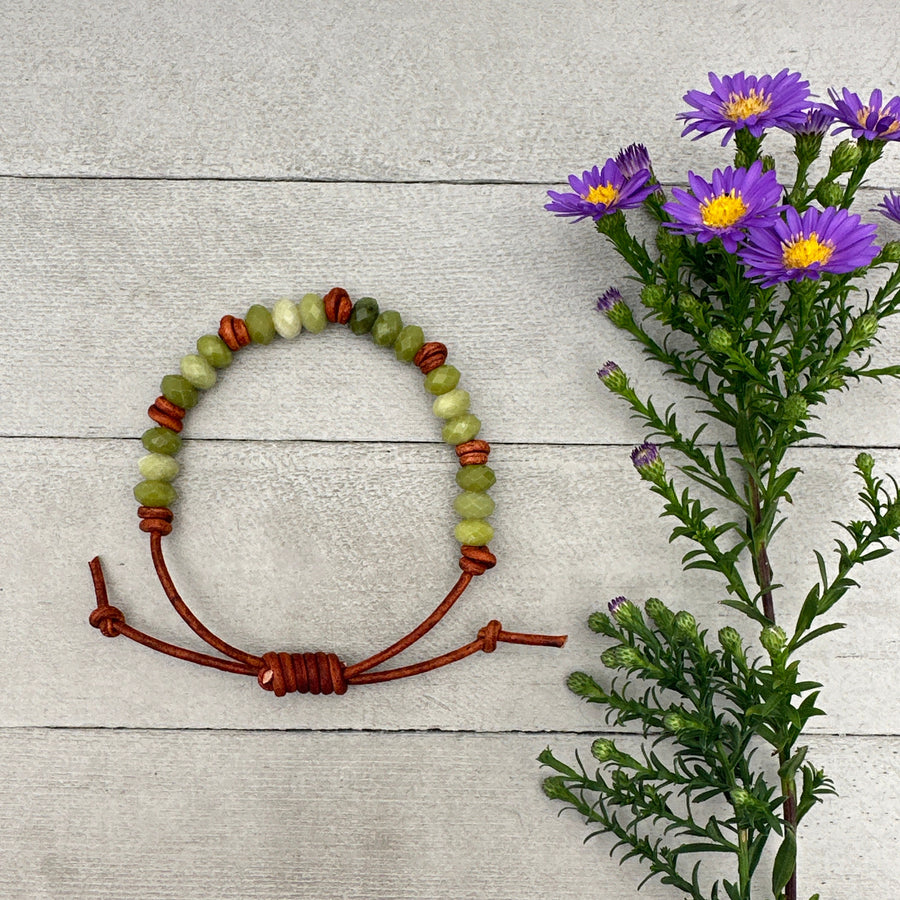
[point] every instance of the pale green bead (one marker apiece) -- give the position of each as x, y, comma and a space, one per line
158, 467
312, 313
473, 505
460, 429
474, 532
198, 371
453, 403
286, 316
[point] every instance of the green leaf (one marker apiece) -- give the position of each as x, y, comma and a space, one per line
785, 862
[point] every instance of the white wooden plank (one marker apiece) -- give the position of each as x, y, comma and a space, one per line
345, 547
460, 90
105, 285
128, 815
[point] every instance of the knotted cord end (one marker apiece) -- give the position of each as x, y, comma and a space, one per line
476, 560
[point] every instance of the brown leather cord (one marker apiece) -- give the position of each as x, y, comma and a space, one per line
313, 672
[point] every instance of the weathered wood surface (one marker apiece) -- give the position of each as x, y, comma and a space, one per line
163, 164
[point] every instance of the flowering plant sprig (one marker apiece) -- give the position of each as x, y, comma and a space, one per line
765, 282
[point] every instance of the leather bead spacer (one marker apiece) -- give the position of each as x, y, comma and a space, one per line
430, 356
338, 306
166, 413
473, 453
234, 332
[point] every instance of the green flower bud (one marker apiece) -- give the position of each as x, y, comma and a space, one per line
627, 614
667, 241
731, 641
845, 156
621, 780
676, 722
865, 463
829, 193
660, 613
719, 339
890, 253
582, 684
742, 800
864, 328
619, 314
768, 163
690, 306
603, 750
599, 623
793, 409
609, 658
892, 516
773, 639
685, 625
623, 657
653, 296
836, 381
555, 788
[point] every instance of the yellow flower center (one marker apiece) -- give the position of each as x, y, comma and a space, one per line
602, 193
802, 252
723, 211
864, 113
740, 106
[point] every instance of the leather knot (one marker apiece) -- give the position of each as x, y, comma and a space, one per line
489, 635
476, 560
305, 673
105, 618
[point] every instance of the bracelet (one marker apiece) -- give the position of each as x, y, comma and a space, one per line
313, 672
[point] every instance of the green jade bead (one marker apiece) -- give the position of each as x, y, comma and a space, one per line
442, 379
198, 371
312, 313
214, 350
161, 440
155, 493
453, 403
286, 318
387, 328
460, 429
474, 532
474, 504
408, 343
363, 316
159, 467
178, 390
259, 324
475, 478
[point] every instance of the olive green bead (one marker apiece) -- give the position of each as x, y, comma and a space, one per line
161, 440
214, 350
312, 313
155, 493
474, 505
408, 343
159, 467
474, 532
363, 316
460, 429
387, 328
178, 390
453, 403
475, 478
259, 324
198, 371
286, 318
442, 379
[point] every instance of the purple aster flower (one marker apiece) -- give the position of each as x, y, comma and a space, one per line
818, 121
797, 247
644, 455
633, 160
736, 199
605, 302
745, 101
600, 192
890, 207
874, 121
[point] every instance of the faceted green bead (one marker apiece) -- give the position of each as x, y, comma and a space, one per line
161, 440
453, 403
387, 327
460, 429
214, 350
159, 467
474, 532
474, 505
312, 313
408, 343
259, 324
286, 318
179, 391
363, 316
475, 478
198, 371
155, 493
442, 379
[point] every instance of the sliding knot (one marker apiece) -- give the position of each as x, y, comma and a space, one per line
305, 673
489, 634
476, 560
105, 618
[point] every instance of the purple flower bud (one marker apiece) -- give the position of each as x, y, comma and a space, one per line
633, 159
890, 207
645, 455
605, 302
817, 123
615, 603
